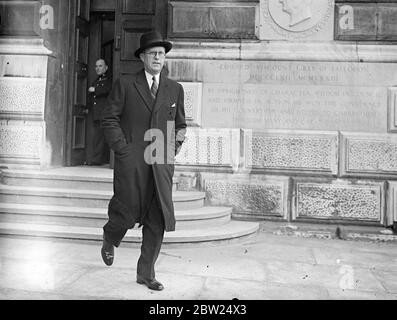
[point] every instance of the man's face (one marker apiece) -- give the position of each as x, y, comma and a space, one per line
153, 59
289, 6
100, 67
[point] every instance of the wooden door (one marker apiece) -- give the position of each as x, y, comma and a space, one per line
133, 18
79, 82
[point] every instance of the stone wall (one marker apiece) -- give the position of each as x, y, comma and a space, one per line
297, 125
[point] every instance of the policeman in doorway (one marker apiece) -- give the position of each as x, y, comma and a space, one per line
99, 91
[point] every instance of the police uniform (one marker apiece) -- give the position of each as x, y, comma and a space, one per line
103, 86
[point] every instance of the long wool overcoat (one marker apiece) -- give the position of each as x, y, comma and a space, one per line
129, 114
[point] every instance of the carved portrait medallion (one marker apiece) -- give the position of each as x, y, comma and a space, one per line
297, 18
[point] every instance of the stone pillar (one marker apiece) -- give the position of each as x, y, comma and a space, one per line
34, 59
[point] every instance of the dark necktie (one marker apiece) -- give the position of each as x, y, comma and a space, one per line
154, 88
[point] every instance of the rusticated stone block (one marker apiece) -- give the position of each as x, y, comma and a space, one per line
371, 155
193, 95
250, 196
19, 96
20, 140
210, 147
339, 200
291, 151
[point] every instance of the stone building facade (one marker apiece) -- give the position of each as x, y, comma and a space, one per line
291, 104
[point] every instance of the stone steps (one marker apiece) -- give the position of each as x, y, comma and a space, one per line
231, 230
84, 178
71, 203
97, 217
84, 198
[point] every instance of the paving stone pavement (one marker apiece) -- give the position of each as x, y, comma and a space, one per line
262, 267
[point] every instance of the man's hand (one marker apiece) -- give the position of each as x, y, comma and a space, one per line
91, 89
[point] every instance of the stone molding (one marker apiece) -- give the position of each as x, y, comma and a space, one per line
392, 110
283, 50
23, 46
392, 203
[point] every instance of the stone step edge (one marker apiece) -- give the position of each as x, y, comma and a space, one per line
101, 213
33, 175
231, 230
178, 196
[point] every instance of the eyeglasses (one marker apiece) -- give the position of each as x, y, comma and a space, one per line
154, 53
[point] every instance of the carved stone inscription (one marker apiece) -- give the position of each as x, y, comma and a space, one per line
297, 95
295, 107
299, 73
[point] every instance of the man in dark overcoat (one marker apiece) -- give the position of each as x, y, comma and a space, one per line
144, 123
99, 92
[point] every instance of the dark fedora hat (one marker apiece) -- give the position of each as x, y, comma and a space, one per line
152, 39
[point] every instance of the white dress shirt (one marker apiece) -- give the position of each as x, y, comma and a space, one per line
149, 78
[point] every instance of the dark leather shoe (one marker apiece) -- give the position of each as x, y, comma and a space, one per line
107, 252
151, 284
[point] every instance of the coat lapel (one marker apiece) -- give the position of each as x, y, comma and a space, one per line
162, 92
142, 86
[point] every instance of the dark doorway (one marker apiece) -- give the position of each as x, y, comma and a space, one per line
77, 83
107, 29
101, 46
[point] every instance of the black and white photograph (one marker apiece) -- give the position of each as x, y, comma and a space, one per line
208, 152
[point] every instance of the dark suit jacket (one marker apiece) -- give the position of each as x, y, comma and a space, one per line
128, 115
